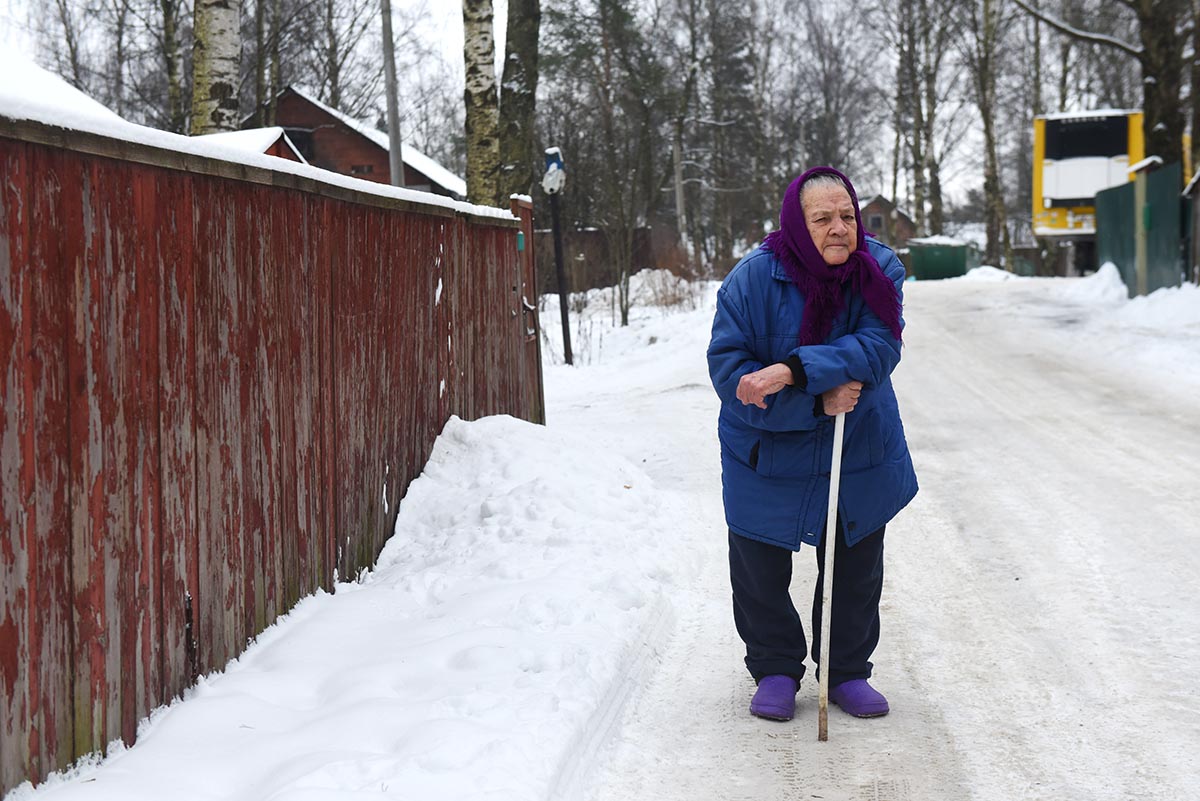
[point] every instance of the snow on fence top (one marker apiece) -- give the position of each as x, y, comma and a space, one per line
28, 92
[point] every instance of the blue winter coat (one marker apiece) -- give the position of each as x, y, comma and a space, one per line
775, 462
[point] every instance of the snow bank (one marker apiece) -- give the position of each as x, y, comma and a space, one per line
1102, 288
524, 573
985, 273
1173, 308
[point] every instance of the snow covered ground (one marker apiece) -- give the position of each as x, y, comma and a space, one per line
551, 619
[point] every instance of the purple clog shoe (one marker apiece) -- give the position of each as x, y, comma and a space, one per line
775, 698
859, 699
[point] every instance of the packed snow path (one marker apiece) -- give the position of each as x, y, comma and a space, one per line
1039, 615
551, 620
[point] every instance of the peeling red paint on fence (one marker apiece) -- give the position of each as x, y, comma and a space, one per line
215, 386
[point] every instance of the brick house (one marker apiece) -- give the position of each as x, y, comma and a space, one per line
887, 222
337, 142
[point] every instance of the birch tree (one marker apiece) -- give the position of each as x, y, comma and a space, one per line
482, 104
687, 65
216, 53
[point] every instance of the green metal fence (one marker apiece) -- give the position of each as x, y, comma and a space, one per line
1164, 233
1118, 227
1116, 231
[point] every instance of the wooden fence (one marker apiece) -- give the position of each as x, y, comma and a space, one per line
216, 383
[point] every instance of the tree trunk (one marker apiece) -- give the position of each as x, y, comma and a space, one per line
897, 123
930, 61
176, 118
987, 35
333, 60
1162, 68
518, 150
71, 40
483, 115
215, 56
260, 63
1037, 63
937, 206
121, 14
677, 169
273, 80
914, 99
993, 199
1064, 55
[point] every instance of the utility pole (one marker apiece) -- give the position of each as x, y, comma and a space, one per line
395, 160
552, 183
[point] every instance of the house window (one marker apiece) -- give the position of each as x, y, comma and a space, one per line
875, 222
362, 169
302, 138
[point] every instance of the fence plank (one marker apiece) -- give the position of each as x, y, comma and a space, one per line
15, 421
177, 434
135, 258
219, 376
35, 613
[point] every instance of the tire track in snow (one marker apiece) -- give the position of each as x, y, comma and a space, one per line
686, 732
1060, 496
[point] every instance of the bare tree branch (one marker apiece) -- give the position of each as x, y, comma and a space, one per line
1076, 33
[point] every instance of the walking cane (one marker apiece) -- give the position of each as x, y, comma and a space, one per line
835, 476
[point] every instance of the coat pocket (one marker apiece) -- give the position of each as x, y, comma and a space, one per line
788, 454
876, 440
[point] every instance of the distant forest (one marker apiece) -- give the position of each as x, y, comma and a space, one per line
694, 114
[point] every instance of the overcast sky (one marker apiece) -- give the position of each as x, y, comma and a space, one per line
442, 24
12, 27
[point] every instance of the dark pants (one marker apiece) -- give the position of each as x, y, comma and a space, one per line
767, 619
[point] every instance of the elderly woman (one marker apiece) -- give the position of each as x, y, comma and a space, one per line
808, 326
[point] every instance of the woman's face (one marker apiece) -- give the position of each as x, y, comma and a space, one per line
829, 213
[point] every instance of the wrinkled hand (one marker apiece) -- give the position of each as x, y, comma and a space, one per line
842, 399
753, 388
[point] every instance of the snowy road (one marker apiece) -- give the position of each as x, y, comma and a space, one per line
1039, 621
551, 620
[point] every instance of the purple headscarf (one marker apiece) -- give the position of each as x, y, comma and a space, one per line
821, 284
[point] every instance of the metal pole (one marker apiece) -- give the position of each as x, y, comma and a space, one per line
835, 476
395, 159
563, 293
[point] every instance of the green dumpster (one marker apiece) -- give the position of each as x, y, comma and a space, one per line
935, 257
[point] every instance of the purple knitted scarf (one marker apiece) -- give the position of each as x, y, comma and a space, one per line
820, 284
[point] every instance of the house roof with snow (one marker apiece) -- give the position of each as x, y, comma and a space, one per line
273, 141
313, 138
